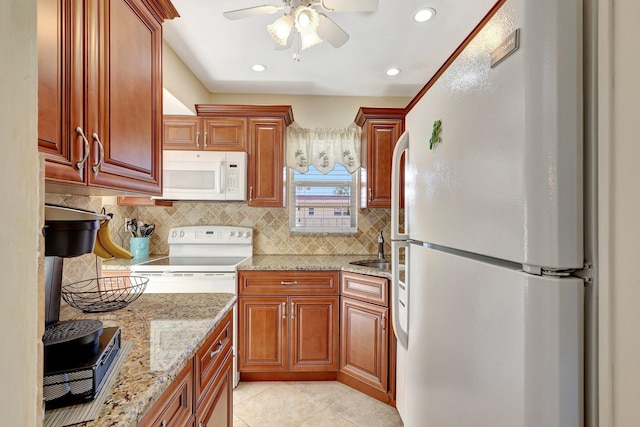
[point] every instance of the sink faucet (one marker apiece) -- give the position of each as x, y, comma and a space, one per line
381, 247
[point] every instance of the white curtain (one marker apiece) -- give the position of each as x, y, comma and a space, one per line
323, 148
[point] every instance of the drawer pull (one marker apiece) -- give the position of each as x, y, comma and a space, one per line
294, 282
215, 353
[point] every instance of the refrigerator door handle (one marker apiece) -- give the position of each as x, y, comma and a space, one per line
401, 146
401, 334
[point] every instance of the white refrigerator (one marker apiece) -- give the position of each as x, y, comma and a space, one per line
486, 306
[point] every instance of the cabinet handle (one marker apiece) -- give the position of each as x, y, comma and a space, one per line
214, 353
197, 139
205, 140
96, 167
284, 310
164, 423
293, 310
383, 322
87, 148
295, 282
250, 194
370, 195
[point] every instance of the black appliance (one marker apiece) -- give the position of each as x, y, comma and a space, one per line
78, 354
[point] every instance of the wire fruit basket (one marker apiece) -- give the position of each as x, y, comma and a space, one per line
104, 293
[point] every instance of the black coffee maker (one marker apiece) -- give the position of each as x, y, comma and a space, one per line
75, 351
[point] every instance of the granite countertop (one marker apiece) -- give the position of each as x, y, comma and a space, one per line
282, 262
166, 330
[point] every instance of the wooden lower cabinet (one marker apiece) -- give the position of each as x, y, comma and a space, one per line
202, 394
367, 344
288, 334
282, 335
217, 408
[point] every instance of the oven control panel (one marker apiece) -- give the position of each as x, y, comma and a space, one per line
206, 234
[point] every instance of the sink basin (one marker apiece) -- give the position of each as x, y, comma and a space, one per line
373, 263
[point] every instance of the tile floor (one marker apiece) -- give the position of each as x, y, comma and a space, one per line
297, 404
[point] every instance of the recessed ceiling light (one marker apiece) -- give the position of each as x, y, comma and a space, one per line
392, 71
258, 67
423, 15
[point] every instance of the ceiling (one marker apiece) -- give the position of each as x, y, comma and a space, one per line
221, 52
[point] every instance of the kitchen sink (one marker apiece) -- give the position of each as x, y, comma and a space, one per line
373, 263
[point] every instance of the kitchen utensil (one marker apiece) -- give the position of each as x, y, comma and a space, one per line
133, 227
142, 230
149, 230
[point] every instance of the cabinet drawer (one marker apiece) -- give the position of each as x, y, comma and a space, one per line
365, 288
175, 406
288, 283
209, 357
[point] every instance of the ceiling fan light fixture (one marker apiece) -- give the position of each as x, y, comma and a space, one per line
280, 29
306, 19
309, 39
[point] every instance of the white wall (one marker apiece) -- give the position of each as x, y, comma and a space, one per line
619, 213
20, 358
180, 81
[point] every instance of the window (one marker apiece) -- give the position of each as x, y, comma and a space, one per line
323, 203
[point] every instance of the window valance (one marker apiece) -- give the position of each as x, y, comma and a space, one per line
323, 148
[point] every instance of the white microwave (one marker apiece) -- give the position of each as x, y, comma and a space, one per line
204, 175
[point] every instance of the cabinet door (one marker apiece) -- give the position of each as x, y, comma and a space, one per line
217, 408
266, 162
124, 95
314, 333
262, 334
60, 90
364, 342
225, 133
182, 133
175, 406
381, 138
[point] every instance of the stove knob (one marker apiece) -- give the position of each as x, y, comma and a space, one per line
174, 234
232, 233
247, 234
182, 234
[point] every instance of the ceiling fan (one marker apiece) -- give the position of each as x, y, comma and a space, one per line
304, 23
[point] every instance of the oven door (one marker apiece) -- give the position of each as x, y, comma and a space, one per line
189, 282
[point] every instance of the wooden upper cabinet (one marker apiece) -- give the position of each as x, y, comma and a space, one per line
266, 162
205, 133
100, 94
381, 128
182, 133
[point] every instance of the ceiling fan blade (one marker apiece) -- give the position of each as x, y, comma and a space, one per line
265, 9
349, 5
331, 32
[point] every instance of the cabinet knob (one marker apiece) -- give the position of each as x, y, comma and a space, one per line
96, 167
87, 148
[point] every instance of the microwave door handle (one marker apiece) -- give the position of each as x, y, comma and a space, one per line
220, 187
223, 177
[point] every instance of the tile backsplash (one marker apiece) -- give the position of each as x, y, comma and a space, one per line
270, 226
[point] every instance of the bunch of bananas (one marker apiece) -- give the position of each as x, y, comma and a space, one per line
105, 247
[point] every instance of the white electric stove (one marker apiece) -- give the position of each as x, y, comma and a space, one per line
202, 259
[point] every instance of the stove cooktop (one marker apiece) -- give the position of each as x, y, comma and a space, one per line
190, 263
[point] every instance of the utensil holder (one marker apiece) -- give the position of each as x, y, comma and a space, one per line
139, 247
